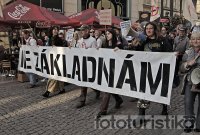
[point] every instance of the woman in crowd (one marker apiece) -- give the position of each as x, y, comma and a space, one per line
111, 43
75, 39
191, 60
54, 85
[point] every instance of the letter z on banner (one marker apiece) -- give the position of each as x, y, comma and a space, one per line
144, 75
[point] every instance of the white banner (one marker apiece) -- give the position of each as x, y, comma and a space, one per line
144, 75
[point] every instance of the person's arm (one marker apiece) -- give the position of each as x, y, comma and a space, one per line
94, 44
136, 34
99, 43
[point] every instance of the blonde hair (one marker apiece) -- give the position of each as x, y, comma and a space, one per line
195, 35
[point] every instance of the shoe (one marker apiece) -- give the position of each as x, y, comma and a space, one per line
80, 105
189, 125
101, 113
164, 110
46, 94
32, 86
44, 80
118, 103
97, 94
133, 100
139, 121
188, 130
196, 130
62, 91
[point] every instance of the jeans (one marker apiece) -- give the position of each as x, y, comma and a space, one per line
189, 104
32, 78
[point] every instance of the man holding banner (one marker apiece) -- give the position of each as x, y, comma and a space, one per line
151, 42
86, 42
32, 42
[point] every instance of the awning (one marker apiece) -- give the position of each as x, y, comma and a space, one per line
4, 27
23, 12
91, 16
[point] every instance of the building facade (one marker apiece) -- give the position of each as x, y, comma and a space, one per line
125, 9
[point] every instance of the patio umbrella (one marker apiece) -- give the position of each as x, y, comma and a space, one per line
88, 16
91, 16
4, 27
22, 12
58, 19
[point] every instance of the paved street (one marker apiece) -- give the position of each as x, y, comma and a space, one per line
25, 112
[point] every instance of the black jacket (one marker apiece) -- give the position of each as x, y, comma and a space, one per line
55, 40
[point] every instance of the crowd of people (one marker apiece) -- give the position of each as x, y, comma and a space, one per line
185, 43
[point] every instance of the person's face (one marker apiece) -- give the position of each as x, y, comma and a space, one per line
150, 30
117, 31
109, 36
92, 33
96, 33
195, 42
46, 38
25, 36
55, 31
43, 34
85, 33
181, 33
172, 35
163, 31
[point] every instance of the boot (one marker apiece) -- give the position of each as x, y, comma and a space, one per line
101, 113
118, 103
196, 130
189, 125
118, 100
46, 94
97, 94
80, 104
164, 110
62, 91
140, 119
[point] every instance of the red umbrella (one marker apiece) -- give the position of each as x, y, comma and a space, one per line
116, 20
90, 16
4, 27
23, 12
57, 18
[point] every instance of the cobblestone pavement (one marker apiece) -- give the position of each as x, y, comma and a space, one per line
25, 112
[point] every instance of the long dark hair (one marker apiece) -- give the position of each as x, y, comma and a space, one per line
114, 38
154, 28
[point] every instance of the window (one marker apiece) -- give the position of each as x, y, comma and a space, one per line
147, 2
174, 4
198, 6
165, 3
118, 7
